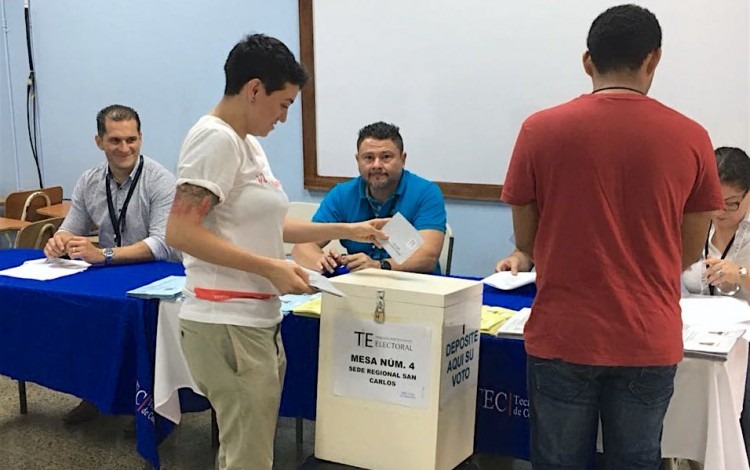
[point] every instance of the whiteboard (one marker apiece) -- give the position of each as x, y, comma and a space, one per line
459, 77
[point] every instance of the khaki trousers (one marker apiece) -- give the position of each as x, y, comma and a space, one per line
241, 371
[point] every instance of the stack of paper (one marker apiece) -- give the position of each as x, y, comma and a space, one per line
493, 317
513, 326
46, 269
504, 280
311, 308
291, 301
709, 343
169, 288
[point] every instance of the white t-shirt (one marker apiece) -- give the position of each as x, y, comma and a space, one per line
739, 254
250, 214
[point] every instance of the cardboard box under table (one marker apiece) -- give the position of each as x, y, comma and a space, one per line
398, 366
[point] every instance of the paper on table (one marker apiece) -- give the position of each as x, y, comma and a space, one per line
291, 301
168, 288
403, 238
713, 343
514, 325
714, 311
504, 280
46, 269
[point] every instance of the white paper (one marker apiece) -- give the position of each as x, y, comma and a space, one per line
714, 310
504, 280
514, 325
388, 362
709, 342
46, 269
322, 283
403, 238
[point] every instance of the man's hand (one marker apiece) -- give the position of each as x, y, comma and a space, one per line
368, 231
82, 248
516, 261
328, 261
359, 261
289, 278
57, 245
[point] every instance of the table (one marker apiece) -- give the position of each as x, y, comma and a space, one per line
55, 210
12, 224
702, 422
82, 335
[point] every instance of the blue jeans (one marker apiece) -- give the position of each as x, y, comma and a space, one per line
568, 400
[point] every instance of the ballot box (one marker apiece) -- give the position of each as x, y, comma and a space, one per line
397, 372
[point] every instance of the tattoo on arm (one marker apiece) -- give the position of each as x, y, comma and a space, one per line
192, 200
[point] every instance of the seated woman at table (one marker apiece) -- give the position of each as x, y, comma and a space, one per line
726, 256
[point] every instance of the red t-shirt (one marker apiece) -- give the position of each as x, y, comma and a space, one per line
612, 175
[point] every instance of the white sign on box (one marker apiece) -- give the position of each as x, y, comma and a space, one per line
403, 238
382, 362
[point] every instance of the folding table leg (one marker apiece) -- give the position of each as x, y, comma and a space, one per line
299, 429
22, 397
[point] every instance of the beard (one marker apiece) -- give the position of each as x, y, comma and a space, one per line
378, 180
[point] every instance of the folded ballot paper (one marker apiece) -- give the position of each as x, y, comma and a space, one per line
311, 308
168, 288
493, 318
504, 280
403, 238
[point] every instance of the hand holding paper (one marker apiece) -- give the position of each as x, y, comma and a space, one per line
403, 239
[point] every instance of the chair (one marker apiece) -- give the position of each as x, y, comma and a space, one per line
36, 234
306, 211
22, 205
446, 254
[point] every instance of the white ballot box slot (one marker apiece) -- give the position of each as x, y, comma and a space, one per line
399, 393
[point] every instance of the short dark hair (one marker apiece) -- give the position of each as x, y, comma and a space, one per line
116, 112
734, 167
381, 131
265, 58
622, 37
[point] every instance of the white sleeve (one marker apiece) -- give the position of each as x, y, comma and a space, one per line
209, 158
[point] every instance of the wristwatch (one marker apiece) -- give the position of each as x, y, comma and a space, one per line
108, 254
743, 272
385, 264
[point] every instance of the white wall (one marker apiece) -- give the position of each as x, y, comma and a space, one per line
461, 78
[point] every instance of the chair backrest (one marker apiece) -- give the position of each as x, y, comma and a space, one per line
36, 234
306, 211
22, 205
446, 255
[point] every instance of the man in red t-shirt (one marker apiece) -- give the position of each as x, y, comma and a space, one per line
611, 194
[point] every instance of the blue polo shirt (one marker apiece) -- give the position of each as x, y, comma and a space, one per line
420, 201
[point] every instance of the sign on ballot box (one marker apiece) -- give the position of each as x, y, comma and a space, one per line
397, 375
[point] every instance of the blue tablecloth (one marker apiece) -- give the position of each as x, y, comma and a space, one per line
502, 425
82, 335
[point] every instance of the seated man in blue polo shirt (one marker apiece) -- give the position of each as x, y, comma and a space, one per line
383, 188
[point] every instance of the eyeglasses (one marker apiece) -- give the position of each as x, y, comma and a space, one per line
733, 206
